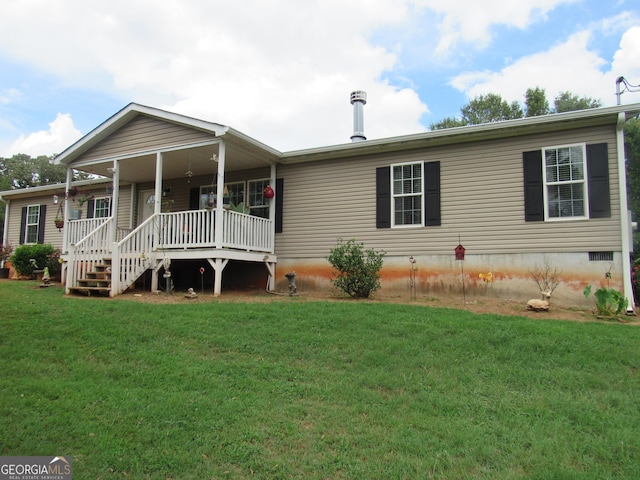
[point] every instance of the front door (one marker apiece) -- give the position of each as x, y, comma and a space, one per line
146, 204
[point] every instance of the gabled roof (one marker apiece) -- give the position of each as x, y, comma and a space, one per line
133, 110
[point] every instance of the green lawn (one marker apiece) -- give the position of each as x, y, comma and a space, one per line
293, 388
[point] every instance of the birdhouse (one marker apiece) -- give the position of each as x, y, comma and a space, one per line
459, 251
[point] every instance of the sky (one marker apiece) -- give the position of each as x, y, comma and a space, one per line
281, 71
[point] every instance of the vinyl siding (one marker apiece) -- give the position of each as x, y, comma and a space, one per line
52, 235
482, 203
143, 134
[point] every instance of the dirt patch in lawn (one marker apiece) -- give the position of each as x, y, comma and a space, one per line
476, 304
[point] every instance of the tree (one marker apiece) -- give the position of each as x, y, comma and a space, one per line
493, 108
23, 171
536, 103
632, 153
569, 102
490, 108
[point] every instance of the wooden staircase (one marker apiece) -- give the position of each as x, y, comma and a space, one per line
96, 281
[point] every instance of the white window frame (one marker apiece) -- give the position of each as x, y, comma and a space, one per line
106, 201
395, 196
264, 206
206, 189
28, 225
584, 182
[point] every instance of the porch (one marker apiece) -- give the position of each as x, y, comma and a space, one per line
160, 162
103, 258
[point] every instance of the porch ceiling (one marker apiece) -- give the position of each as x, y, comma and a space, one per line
176, 163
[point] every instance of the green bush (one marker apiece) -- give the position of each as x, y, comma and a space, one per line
609, 301
27, 258
357, 269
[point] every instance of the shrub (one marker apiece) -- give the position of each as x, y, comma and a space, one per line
609, 301
27, 258
357, 269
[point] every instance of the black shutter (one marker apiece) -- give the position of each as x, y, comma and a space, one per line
194, 198
598, 178
533, 188
383, 197
91, 208
432, 215
42, 223
279, 204
23, 225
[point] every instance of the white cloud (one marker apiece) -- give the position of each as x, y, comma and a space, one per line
60, 135
570, 66
470, 21
277, 71
626, 61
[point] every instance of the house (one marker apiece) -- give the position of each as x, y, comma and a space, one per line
517, 194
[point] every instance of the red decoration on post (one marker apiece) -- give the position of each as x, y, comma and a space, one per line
459, 252
268, 192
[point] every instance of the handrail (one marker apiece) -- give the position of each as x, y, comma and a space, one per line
89, 251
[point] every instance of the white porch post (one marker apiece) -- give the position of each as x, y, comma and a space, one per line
219, 199
157, 207
115, 198
65, 231
272, 209
218, 265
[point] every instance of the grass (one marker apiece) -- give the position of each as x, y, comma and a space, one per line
305, 389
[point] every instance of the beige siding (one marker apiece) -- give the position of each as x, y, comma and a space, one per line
482, 201
52, 235
142, 134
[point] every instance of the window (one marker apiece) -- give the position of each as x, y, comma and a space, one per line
407, 194
102, 207
565, 182
396, 205
234, 193
32, 225
258, 205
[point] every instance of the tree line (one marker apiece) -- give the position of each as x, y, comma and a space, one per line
493, 108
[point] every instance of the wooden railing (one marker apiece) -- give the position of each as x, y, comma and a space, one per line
132, 256
247, 232
139, 249
78, 229
189, 229
88, 251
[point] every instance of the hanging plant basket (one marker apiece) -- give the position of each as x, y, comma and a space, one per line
59, 223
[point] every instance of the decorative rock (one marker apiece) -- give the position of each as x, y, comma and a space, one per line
190, 294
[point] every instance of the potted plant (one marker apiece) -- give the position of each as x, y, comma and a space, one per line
59, 220
5, 254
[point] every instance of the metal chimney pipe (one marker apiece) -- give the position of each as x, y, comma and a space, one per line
358, 100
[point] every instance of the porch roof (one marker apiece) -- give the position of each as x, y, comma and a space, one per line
241, 151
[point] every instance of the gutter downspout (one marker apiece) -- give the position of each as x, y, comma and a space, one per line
624, 217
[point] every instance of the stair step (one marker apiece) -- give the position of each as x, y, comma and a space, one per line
89, 290
90, 282
98, 275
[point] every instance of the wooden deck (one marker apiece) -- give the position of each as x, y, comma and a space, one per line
161, 238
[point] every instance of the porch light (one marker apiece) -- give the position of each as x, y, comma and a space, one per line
55, 199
